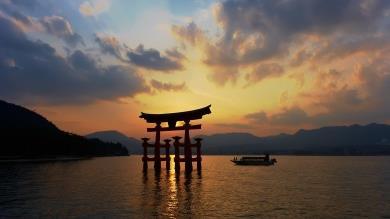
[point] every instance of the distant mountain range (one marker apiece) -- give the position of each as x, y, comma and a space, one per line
372, 139
24, 133
133, 145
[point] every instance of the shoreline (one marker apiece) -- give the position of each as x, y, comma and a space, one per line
41, 160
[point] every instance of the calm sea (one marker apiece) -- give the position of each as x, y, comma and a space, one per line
297, 187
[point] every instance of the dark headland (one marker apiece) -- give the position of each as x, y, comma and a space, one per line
25, 134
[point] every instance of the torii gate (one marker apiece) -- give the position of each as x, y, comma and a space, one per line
172, 119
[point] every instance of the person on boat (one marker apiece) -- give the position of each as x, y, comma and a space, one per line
266, 157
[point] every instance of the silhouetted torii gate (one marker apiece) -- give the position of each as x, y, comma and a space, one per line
172, 119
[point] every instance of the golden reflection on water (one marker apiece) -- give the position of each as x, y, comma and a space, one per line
171, 193
172, 199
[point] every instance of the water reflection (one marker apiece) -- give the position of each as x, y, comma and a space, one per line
297, 187
173, 192
172, 196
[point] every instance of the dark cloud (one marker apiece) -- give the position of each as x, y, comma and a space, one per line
297, 16
300, 57
342, 47
22, 18
191, 33
255, 31
175, 54
276, 23
31, 4
60, 27
110, 45
149, 58
11, 12
32, 72
81, 61
19, 12
266, 70
152, 59
257, 117
292, 116
161, 86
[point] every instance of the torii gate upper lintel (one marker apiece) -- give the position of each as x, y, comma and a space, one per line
172, 119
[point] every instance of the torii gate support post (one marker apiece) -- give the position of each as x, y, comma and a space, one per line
198, 153
145, 145
157, 160
187, 147
167, 156
177, 152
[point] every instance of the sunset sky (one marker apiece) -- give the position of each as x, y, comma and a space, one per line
266, 67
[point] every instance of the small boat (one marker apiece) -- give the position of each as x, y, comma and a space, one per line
255, 160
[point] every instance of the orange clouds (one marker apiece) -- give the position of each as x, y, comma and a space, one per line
315, 43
